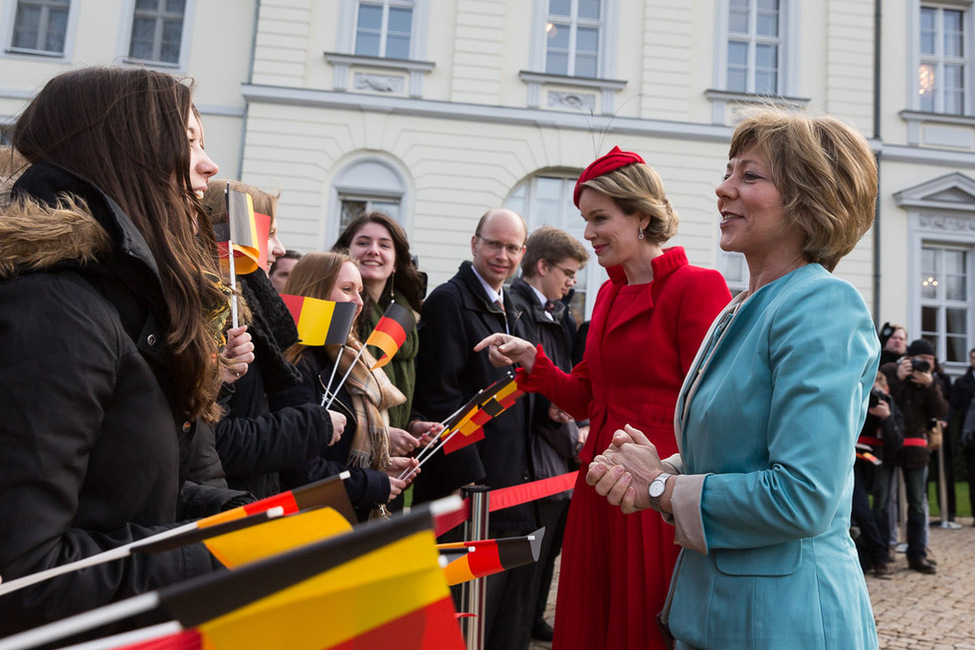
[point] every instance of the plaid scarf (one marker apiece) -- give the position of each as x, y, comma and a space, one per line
372, 394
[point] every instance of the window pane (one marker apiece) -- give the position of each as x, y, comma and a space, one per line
370, 18
398, 46
587, 40
176, 6
929, 320
367, 44
926, 86
547, 205
929, 287
957, 321
585, 66
172, 36
589, 9
953, 41
557, 63
767, 18
57, 27
766, 56
400, 20
560, 7
955, 347
738, 53
143, 36
954, 102
738, 16
27, 25
558, 37
147, 5
928, 30
737, 67
765, 82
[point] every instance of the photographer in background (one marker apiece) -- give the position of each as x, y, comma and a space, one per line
880, 440
919, 396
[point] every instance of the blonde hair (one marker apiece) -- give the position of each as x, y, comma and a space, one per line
825, 172
638, 190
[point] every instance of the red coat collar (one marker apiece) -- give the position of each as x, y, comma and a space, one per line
662, 265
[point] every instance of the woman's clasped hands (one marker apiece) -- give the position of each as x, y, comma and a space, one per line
624, 471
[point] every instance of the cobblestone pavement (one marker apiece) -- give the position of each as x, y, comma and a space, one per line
914, 611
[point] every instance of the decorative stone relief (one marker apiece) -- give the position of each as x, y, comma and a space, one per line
945, 223
573, 101
378, 83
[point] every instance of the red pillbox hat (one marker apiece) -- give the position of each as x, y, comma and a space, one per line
613, 160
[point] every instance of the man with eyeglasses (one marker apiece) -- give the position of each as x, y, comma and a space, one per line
456, 316
552, 259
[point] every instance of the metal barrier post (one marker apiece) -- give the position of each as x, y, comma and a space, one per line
474, 594
943, 488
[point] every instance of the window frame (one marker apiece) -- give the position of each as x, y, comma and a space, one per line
608, 38
788, 43
9, 21
385, 6
125, 39
916, 58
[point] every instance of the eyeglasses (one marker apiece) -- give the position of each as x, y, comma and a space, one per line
569, 275
495, 246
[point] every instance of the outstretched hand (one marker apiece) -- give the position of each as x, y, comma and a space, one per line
505, 350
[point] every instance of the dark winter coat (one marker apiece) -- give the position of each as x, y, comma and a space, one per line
366, 487
456, 316
90, 436
255, 443
554, 443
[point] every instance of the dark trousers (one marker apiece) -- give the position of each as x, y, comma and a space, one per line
872, 538
948, 449
552, 515
970, 466
882, 478
916, 487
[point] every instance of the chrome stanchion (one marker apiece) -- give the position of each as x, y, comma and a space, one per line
474, 594
943, 490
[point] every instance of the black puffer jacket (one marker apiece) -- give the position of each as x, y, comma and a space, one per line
89, 442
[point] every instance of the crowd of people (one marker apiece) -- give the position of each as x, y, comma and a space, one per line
717, 487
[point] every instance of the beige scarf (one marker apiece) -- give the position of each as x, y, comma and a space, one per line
372, 394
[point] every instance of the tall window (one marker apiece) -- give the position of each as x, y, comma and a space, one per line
754, 44
384, 29
41, 25
944, 300
547, 200
572, 37
157, 30
941, 73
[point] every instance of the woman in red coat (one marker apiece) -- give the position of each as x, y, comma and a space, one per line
647, 324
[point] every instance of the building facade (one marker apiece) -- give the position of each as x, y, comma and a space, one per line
436, 110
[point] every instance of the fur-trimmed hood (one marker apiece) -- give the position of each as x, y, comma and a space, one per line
51, 218
36, 236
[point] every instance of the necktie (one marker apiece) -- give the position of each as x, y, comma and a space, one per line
504, 316
549, 306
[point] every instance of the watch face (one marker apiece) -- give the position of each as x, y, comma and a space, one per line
658, 486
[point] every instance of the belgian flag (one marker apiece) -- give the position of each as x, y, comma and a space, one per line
321, 322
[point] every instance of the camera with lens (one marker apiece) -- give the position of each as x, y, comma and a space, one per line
876, 395
920, 365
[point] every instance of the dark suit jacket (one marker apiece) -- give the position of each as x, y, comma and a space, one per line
456, 316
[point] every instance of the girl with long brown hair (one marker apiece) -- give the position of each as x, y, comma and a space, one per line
111, 314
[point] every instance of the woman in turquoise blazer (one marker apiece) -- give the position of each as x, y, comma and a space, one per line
768, 416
